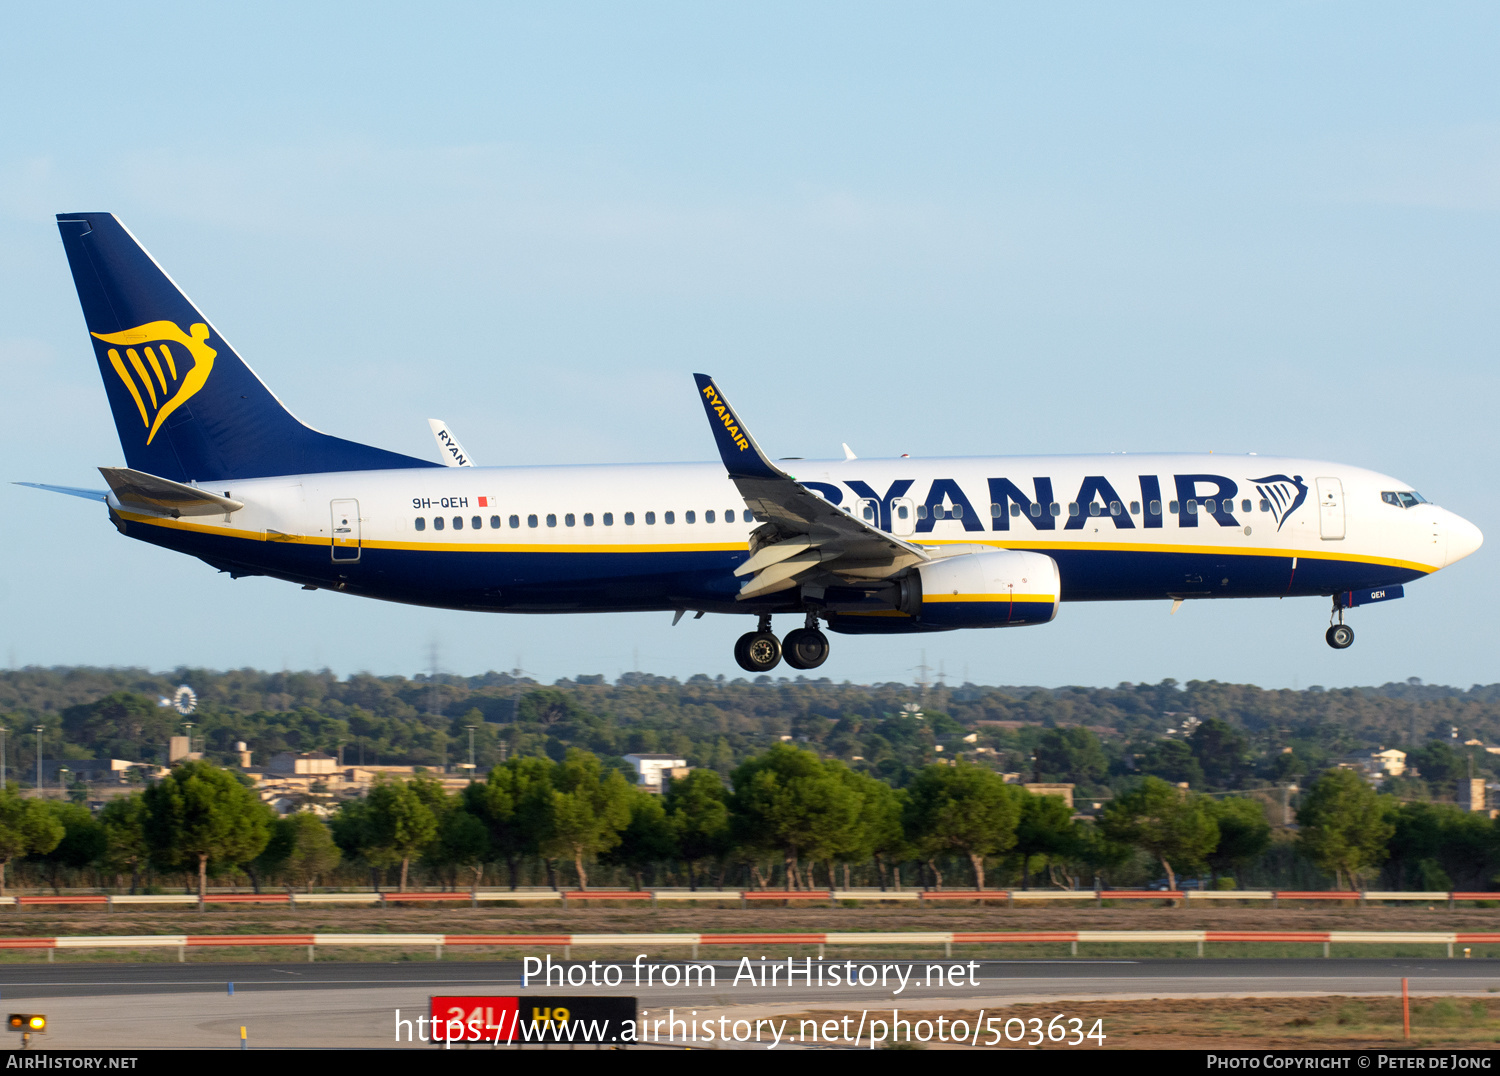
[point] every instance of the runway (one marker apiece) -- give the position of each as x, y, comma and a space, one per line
114, 1006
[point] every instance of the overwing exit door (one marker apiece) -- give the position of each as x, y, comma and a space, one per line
345, 531
1331, 509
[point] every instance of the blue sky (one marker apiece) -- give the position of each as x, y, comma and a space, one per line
942, 229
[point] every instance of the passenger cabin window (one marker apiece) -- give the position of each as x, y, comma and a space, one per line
531, 521
1036, 509
494, 523
1074, 509
588, 519
1265, 505
650, 518
477, 523
1055, 508
1155, 508
668, 518
1135, 508
1114, 508
708, 517
690, 516
570, 519
421, 524
515, 521
630, 519
1192, 507
437, 523
1245, 505
1172, 507
609, 519
551, 519
921, 511
729, 515
1094, 508
458, 523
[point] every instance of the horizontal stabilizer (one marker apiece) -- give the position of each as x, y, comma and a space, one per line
71, 491
161, 496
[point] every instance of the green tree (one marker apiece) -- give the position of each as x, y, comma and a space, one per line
589, 809
123, 820
272, 859
1169, 824
648, 837
1046, 830
1070, 754
515, 805
82, 842
879, 833
1344, 825
1174, 761
788, 800
396, 825
313, 851
1244, 834
200, 813
27, 827
1222, 753
963, 809
462, 841
697, 808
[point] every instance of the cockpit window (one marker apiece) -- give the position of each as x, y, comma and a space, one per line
1407, 498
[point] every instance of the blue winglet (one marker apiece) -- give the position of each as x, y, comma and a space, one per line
742, 456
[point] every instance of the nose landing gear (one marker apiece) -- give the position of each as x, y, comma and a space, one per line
1340, 636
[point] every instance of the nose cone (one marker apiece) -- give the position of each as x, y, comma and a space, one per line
1463, 537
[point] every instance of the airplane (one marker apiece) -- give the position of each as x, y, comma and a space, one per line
216, 467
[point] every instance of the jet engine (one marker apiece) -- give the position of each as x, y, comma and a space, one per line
1003, 588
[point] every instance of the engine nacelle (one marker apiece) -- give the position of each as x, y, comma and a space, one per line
1006, 588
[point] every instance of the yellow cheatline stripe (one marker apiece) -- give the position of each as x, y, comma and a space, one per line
444, 547
464, 546
877, 612
114, 358
1213, 550
1007, 598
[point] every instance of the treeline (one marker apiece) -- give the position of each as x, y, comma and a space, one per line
786, 818
1212, 735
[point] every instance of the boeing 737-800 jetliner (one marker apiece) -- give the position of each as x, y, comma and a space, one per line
217, 468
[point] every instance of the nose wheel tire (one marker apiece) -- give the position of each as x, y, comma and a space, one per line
805, 648
757, 651
1340, 636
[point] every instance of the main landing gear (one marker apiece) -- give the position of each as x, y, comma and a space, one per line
760, 651
1340, 636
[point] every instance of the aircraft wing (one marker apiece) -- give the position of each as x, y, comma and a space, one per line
802, 538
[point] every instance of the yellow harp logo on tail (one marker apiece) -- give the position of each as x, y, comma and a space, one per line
160, 380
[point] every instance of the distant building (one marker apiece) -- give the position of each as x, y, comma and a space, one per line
1065, 792
1471, 794
303, 765
651, 769
1391, 761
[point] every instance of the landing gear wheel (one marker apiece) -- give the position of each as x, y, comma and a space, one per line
805, 648
1340, 636
757, 651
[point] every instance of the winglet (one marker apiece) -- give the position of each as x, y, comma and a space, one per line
742, 456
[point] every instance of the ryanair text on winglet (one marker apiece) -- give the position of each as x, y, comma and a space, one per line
731, 424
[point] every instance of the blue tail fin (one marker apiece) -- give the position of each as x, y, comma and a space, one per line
185, 405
